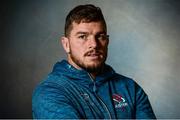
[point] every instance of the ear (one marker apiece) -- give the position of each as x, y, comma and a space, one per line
65, 44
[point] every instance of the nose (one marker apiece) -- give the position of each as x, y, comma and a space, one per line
93, 43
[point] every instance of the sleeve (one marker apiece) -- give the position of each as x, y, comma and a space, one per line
50, 103
143, 106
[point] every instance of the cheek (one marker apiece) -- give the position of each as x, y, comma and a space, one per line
77, 50
104, 46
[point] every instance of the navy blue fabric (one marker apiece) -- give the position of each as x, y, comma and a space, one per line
71, 93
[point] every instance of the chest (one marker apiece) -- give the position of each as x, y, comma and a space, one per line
107, 102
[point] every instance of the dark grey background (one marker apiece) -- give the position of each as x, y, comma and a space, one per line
144, 45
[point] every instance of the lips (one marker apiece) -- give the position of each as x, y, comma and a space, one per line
93, 54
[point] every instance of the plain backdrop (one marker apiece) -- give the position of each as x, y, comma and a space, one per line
144, 45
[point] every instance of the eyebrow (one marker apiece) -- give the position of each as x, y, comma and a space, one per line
80, 32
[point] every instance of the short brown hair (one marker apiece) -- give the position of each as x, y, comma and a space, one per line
83, 13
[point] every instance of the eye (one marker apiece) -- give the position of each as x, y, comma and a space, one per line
83, 37
102, 37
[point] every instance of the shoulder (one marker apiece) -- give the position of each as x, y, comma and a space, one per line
52, 87
123, 82
50, 98
110, 73
53, 82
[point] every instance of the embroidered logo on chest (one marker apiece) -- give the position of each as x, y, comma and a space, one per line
119, 101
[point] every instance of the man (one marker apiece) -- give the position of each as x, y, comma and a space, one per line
84, 86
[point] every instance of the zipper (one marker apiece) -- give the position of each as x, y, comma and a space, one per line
94, 90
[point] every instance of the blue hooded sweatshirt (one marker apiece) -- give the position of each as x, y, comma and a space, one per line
73, 94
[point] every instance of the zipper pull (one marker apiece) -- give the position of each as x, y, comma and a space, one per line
94, 83
94, 87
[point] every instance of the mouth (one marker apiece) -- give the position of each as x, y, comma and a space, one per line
94, 55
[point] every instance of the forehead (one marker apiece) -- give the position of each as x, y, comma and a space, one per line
90, 27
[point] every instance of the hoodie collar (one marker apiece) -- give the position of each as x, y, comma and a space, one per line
64, 68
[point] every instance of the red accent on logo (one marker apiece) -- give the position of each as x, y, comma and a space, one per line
117, 97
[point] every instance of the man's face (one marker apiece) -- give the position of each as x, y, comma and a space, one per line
87, 45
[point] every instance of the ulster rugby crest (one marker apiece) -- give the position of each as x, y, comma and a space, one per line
119, 101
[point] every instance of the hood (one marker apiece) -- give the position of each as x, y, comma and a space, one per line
81, 76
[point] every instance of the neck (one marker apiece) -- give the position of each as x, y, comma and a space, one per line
94, 74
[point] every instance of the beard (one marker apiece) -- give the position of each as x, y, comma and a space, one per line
95, 67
